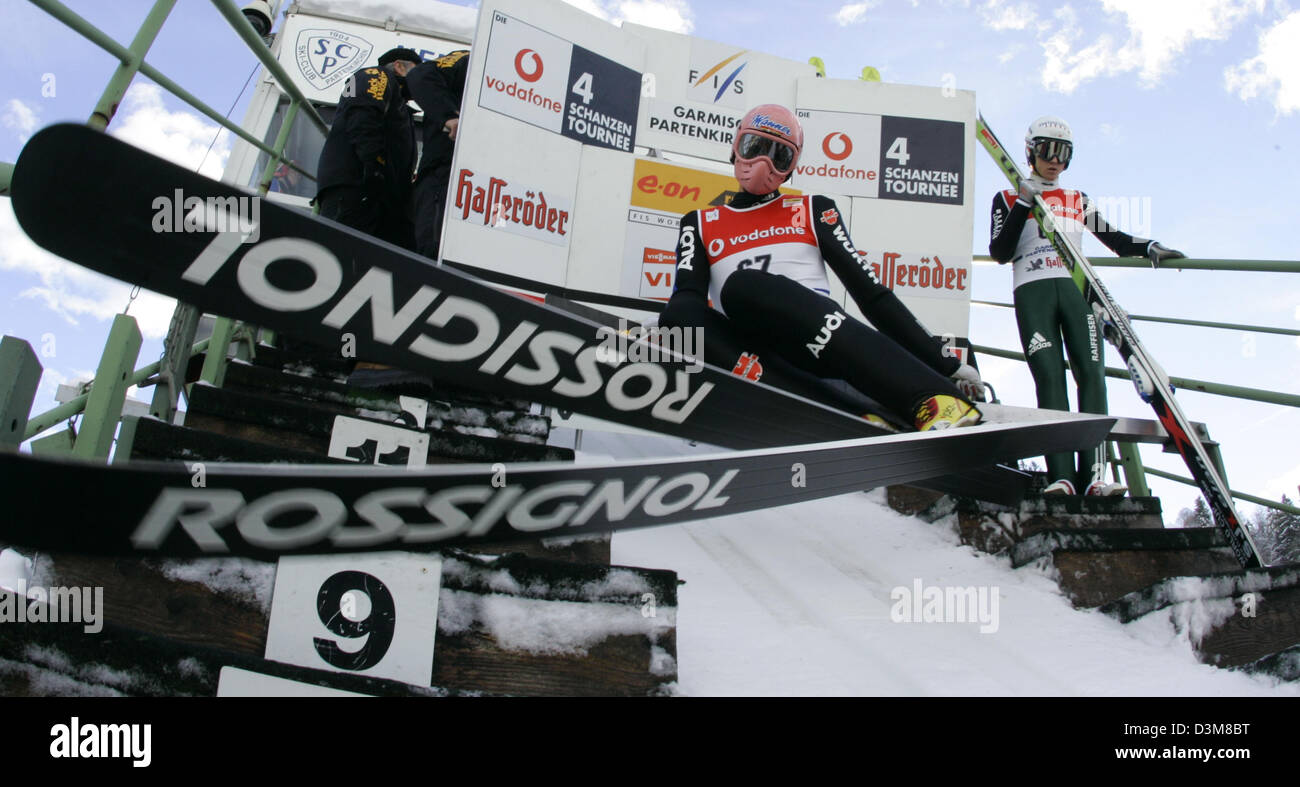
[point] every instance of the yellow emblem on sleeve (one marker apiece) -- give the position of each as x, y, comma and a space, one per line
378, 85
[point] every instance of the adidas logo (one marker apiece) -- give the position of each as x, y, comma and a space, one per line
1036, 343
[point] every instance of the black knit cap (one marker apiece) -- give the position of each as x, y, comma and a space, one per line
400, 53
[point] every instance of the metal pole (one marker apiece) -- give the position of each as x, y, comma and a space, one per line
1186, 383
258, 46
1239, 495
281, 140
1175, 321
50, 418
1131, 461
1257, 266
121, 79
95, 36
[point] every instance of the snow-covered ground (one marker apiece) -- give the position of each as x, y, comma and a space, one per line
802, 600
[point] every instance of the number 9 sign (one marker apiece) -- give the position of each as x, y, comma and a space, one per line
374, 614
336, 608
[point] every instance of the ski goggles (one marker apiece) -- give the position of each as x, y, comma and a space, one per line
752, 146
1049, 149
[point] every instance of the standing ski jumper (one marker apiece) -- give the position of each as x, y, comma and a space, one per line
761, 262
1050, 309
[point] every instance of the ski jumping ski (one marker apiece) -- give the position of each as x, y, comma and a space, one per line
263, 512
125, 213
1152, 384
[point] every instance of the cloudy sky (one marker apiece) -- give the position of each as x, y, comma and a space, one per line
1188, 110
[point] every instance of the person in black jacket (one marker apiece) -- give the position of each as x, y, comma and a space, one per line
365, 167
438, 87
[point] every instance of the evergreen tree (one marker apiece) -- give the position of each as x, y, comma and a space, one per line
1278, 534
1196, 516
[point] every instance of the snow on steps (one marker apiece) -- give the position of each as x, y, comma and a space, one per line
799, 601
1233, 619
1114, 554
510, 625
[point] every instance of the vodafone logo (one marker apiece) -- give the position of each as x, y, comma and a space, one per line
837, 139
716, 246
536, 71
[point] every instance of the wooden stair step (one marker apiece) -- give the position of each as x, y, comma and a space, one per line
336, 369
151, 439
306, 426
1227, 628
348, 399
164, 635
995, 529
1099, 565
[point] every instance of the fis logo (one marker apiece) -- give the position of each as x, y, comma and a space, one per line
714, 82
327, 57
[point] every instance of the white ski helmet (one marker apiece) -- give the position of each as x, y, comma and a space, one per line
1051, 138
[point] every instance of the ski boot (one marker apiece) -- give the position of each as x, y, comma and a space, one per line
1104, 489
944, 412
1062, 487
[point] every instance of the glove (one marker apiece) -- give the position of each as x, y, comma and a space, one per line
1029, 190
969, 383
1106, 324
372, 179
1159, 254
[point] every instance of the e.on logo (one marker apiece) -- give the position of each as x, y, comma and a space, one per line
528, 75
837, 139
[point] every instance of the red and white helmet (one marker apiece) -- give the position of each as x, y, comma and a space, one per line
766, 148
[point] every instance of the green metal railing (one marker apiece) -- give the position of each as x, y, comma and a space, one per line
1186, 383
1236, 266
1129, 458
101, 407
1174, 321
53, 417
132, 61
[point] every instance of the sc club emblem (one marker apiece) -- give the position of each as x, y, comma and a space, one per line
327, 57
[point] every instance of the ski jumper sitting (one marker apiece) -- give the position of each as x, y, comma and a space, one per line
752, 275
1051, 312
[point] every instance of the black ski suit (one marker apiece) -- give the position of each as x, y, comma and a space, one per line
761, 262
